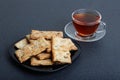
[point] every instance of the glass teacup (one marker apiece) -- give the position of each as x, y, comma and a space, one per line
86, 22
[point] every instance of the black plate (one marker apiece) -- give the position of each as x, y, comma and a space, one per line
74, 55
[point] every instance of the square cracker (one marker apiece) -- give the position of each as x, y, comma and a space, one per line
35, 34
34, 48
20, 44
61, 48
36, 62
47, 42
61, 56
24, 54
63, 44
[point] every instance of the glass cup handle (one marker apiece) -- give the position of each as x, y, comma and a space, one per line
101, 27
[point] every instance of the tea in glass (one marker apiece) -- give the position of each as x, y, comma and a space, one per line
85, 21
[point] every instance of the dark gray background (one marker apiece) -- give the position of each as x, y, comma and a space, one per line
98, 61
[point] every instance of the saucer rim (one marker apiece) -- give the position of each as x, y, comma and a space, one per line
77, 39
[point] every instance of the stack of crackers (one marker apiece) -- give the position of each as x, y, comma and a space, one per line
45, 48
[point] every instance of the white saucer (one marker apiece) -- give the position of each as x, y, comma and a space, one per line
70, 31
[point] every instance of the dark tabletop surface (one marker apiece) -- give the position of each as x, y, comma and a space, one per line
98, 60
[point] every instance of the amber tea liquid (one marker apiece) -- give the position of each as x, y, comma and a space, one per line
85, 23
